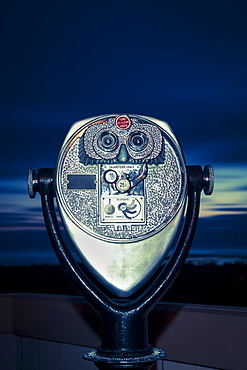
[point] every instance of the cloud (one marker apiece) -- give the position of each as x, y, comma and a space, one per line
26, 247
220, 231
221, 236
183, 66
230, 194
215, 236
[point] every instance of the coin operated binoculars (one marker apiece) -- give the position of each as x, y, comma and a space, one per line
127, 200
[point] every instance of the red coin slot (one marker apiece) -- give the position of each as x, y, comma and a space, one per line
123, 122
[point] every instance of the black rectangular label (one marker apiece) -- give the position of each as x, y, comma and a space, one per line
81, 182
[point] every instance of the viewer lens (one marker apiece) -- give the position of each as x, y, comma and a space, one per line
137, 141
107, 141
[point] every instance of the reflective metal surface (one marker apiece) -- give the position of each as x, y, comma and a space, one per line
121, 186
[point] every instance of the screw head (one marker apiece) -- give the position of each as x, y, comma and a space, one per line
208, 179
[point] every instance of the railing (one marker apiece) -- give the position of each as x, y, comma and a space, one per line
51, 332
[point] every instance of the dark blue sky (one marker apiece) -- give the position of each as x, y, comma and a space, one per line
183, 62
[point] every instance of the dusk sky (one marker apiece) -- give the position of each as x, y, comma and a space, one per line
181, 62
